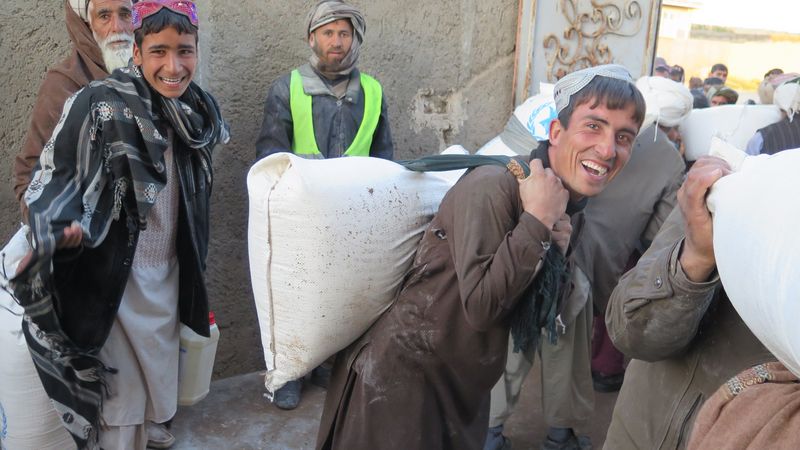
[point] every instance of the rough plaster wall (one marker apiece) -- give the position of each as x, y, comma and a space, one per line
29, 45
446, 68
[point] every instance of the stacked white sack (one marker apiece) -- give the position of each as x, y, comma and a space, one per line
27, 417
736, 124
757, 246
329, 242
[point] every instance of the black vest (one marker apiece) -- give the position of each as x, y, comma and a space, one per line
781, 136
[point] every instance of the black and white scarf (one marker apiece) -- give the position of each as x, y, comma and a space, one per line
106, 155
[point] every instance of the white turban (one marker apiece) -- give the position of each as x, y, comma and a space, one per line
81, 8
572, 83
787, 97
668, 102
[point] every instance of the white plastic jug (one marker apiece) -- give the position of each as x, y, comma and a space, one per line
196, 362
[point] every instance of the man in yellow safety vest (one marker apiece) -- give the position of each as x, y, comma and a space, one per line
326, 108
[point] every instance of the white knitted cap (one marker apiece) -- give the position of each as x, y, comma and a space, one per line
572, 83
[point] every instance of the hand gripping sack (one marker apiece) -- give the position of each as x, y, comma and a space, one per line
736, 124
329, 242
757, 246
27, 417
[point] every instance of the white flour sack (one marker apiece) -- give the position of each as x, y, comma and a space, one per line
329, 242
757, 247
27, 417
736, 124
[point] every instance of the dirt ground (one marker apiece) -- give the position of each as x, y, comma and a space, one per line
236, 415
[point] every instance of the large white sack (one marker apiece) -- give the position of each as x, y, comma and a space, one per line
736, 124
452, 176
757, 246
28, 420
496, 146
329, 242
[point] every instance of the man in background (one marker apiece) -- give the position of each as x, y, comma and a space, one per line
326, 108
720, 71
785, 134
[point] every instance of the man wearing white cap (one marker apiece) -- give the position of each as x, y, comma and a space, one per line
618, 221
625, 218
494, 259
102, 40
785, 134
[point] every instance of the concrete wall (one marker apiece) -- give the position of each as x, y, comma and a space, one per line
446, 68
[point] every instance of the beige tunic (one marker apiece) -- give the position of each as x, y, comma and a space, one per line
144, 340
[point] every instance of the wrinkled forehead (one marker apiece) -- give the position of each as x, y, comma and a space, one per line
96, 5
335, 25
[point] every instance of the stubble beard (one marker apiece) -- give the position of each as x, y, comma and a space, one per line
324, 64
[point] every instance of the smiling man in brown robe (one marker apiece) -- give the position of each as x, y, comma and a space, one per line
420, 378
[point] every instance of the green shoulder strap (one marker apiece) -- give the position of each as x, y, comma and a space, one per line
440, 163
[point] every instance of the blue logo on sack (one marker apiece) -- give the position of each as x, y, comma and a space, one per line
539, 121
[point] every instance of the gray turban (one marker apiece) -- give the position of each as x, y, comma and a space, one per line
328, 11
332, 10
668, 102
572, 83
81, 8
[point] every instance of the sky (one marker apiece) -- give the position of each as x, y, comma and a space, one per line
776, 15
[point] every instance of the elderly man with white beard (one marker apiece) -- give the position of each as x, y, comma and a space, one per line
102, 40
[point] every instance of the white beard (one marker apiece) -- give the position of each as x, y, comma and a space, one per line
115, 56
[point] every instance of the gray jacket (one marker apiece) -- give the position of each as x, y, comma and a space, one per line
336, 121
686, 340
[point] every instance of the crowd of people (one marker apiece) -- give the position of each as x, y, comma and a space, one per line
114, 181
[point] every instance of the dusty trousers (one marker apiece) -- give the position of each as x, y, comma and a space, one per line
567, 392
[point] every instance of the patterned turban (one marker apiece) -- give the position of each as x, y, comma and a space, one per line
328, 11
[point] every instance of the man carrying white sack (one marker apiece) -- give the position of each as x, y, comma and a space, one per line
491, 260
619, 221
326, 109
785, 134
671, 315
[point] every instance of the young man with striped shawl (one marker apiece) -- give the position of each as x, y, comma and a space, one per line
118, 209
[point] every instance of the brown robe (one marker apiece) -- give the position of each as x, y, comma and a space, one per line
84, 64
420, 378
757, 409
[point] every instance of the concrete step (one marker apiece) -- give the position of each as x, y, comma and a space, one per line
237, 416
